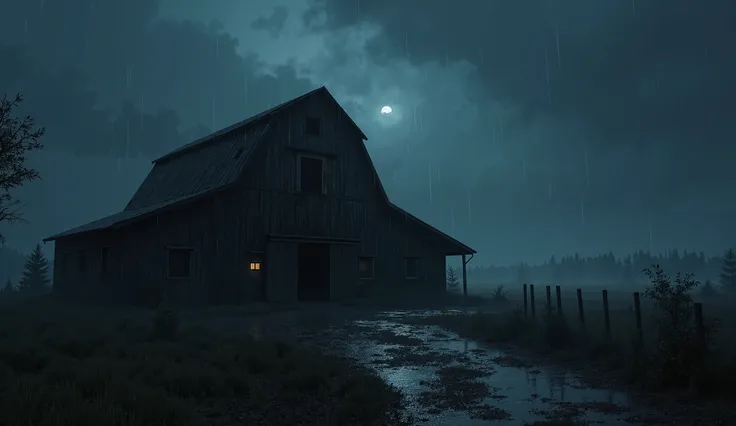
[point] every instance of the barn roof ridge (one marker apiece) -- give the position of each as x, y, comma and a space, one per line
250, 121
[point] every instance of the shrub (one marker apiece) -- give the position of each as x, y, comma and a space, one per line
680, 350
499, 295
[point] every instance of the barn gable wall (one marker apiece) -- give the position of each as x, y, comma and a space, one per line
229, 229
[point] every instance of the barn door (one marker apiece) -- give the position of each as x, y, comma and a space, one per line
344, 271
281, 268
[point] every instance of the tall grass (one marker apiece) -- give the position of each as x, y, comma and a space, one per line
63, 365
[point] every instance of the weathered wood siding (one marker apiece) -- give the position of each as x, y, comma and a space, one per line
347, 173
231, 228
222, 243
351, 208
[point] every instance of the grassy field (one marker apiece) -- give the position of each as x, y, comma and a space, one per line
72, 365
662, 360
621, 312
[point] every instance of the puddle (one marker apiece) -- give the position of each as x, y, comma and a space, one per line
449, 380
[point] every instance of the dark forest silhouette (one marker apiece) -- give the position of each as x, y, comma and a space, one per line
602, 270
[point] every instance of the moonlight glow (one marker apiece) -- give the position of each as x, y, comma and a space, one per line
386, 110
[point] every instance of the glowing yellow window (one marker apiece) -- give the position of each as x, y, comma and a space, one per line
255, 266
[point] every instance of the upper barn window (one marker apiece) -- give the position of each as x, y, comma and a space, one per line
311, 175
313, 126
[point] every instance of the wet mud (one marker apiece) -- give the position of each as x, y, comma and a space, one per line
450, 380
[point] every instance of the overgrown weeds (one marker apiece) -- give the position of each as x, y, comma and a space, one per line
499, 295
62, 366
165, 322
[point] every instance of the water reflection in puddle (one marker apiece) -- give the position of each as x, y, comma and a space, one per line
524, 392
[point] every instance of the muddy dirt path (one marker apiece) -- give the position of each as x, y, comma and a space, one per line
448, 380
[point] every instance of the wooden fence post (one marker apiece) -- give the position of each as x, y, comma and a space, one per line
580, 308
559, 299
637, 311
531, 300
525, 302
606, 314
549, 299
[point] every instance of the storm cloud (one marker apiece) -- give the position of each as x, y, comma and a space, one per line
524, 128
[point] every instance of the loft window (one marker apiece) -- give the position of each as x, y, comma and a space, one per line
104, 259
366, 268
411, 268
310, 175
313, 126
255, 266
180, 263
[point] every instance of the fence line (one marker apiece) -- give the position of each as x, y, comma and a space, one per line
698, 309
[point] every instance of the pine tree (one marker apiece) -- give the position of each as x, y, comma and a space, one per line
453, 283
628, 277
36, 275
9, 287
728, 271
708, 290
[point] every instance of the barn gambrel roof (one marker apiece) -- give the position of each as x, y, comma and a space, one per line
213, 163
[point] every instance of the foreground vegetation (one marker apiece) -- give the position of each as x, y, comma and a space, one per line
62, 365
672, 354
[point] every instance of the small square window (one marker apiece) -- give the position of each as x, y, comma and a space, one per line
313, 126
255, 266
412, 268
366, 268
180, 263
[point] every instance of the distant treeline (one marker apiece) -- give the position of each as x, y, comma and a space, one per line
601, 270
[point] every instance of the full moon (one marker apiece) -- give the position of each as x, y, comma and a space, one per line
386, 110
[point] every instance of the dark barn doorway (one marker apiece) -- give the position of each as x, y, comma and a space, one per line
313, 273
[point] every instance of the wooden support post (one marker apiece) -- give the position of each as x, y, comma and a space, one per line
606, 315
465, 279
526, 309
558, 291
581, 313
548, 291
531, 300
637, 310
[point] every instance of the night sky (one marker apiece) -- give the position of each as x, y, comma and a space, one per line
524, 128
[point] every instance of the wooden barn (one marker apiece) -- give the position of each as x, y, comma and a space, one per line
284, 206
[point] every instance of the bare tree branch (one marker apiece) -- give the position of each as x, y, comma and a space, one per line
18, 137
